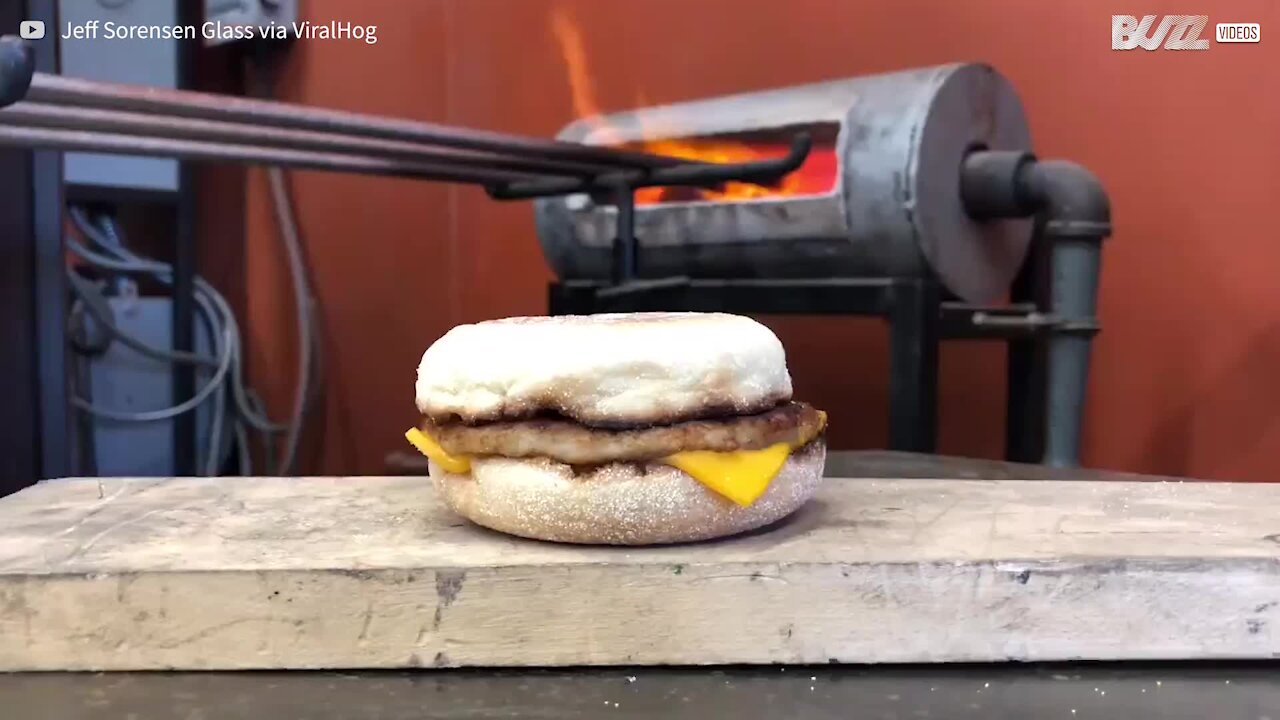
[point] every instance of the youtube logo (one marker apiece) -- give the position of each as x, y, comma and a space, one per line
31, 29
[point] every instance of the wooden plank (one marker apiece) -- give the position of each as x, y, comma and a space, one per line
374, 573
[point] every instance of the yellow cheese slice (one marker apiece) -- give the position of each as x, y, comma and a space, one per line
429, 447
742, 475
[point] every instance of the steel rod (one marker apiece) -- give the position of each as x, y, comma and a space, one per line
51, 111
699, 175
33, 114
75, 140
58, 90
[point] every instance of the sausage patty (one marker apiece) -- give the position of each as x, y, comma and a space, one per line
577, 444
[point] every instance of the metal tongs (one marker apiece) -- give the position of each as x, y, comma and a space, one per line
40, 110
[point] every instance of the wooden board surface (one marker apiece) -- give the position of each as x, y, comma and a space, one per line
374, 573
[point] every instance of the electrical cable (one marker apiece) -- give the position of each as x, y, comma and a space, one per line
216, 451
168, 413
265, 65
248, 405
84, 290
229, 363
253, 411
127, 262
222, 347
213, 308
303, 301
212, 388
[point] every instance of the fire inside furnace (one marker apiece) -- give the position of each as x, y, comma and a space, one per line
817, 176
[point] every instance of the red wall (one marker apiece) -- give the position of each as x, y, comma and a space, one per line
1185, 377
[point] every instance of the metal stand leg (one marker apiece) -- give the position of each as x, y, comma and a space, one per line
913, 356
1024, 408
565, 299
555, 300
185, 445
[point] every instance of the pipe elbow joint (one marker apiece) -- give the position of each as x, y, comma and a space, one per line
1073, 201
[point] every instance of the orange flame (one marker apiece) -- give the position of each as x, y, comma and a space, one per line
575, 59
815, 176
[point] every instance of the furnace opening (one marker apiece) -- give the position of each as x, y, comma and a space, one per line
817, 176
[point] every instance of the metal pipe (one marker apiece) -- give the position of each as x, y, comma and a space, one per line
1077, 217
58, 90
73, 140
32, 114
989, 186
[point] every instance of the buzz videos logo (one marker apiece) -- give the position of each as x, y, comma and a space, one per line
1176, 32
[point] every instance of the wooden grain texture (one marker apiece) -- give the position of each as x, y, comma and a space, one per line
374, 573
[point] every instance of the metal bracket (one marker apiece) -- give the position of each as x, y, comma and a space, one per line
961, 321
633, 288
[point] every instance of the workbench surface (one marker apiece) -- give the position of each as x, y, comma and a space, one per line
373, 573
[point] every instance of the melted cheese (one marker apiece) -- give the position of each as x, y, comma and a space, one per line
429, 447
741, 475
